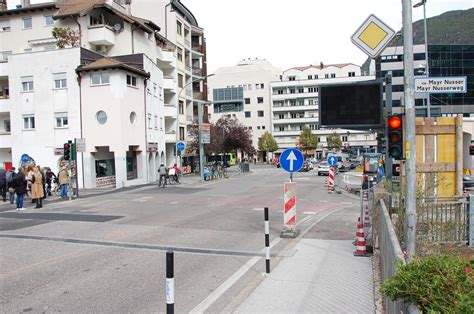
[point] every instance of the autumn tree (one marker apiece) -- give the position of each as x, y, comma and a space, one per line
66, 37
307, 140
334, 141
266, 143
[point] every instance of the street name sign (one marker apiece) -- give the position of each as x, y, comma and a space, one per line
291, 160
332, 161
373, 36
441, 85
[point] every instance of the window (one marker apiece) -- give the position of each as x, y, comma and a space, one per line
29, 123
263, 127
326, 75
352, 74
27, 23
260, 113
149, 121
301, 90
60, 80
301, 102
333, 75
133, 117
260, 100
181, 133
181, 107
180, 54
257, 86
316, 76
262, 85
156, 122
7, 126
294, 115
61, 120
281, 128
28, 50
292, 90
258, 127
5, 26
48, 20
247, 114
310, 77
281, 116
100, 78
161, 123
180, 80
344, 138
247, 101
27, 84
101, 117
4, 55
280, 92
179, 27
312, 89
250, 128
132, 81
291, 78
250, 86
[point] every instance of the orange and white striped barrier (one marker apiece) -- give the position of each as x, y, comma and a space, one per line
361, 250
367, 217
289, 217
331, 180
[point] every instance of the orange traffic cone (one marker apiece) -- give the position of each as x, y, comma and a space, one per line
367, 217
360, 248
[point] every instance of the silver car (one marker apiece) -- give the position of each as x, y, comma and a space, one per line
323, 168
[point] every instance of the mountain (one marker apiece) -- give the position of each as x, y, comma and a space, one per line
452, 27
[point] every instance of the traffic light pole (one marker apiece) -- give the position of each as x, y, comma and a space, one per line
388, 106
75, 166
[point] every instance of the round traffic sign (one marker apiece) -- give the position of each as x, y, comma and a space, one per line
291, 160
180, 146
332, 161
25, 158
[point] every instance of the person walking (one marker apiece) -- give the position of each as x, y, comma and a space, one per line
49, 180
37, 188
63, 182
9, 177
162, 172
3, 184
20, 185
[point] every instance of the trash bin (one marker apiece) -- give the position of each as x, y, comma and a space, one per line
245, 167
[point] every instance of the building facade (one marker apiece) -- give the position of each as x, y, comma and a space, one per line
295, 104
444, 60
243, 92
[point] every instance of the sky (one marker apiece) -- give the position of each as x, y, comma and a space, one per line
290, 33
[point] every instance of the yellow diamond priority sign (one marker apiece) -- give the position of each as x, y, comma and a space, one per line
373, 36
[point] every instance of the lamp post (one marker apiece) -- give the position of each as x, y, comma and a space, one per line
200, 113
427, 70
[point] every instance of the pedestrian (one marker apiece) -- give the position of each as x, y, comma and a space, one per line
3, 184
20, 185
37, 187
28, 176
63, 182
9, 177
49, 179
162, 172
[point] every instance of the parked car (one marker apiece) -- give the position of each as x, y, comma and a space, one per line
323, 168
467, 181
306, 167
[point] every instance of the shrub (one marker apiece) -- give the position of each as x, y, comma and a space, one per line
437, 283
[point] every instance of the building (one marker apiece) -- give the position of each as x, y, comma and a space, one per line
295, 104
444, 60
243, 92
114, 84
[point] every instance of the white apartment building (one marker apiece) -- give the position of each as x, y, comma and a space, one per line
180, 26
295, 104
115, 88
243, 92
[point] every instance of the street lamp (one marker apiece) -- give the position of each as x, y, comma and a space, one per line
200, 113
427, 70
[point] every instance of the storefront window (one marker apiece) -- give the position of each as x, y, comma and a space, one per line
104, 168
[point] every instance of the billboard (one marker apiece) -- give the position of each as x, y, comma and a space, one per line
356, 105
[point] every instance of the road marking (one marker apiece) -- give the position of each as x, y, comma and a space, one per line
309, 213
174, 203
258, 209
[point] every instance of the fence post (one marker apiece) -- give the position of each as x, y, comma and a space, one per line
470, 213
267, 241
169, 282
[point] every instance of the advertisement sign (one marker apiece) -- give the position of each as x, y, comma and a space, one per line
205, 133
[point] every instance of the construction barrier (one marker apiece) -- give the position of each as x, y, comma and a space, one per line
289, 217
331, 180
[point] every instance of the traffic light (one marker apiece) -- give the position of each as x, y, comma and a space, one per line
395, 136
67, 150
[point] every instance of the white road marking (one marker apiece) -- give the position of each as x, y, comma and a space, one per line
257, 209
309, 213
174, 203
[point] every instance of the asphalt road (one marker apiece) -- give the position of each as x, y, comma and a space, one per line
106, 253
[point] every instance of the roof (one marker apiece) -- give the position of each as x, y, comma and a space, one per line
82, 7
338, 65
181, 8
109, 63
33, 7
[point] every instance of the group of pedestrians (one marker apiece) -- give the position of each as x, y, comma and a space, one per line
167, 173
31, 180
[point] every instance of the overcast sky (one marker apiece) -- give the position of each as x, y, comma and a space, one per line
292, 33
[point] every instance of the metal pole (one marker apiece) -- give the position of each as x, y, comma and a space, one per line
470, 215
388, 105
410, 142
69, 178
201, 145
169, 282
267, 241
427, 70
75, 164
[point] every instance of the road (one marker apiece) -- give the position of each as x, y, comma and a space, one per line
106, 253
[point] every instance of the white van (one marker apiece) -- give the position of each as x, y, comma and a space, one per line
343, 163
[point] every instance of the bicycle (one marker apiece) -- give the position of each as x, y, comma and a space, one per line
162, 181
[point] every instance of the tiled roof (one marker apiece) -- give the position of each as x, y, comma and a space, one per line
338, 65
109, 63
32, 7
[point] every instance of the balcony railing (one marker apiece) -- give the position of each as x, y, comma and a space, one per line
198, 71
198, 95
198, 48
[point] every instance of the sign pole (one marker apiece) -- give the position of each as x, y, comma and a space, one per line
75, 164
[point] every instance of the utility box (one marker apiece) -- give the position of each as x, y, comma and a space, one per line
245, 167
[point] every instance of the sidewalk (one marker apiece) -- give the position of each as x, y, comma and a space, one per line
322, 276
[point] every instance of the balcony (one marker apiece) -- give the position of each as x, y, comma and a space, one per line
5, 139
5, 104
170, 137
199, 96
170, 111
287, 108
169, 84
298, 120
101, 35
196, 47
198, 71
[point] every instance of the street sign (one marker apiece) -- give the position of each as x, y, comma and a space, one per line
441, 85
80, 145
373, 36
291, 160
25, 158
180, 146
332, 161
205, 133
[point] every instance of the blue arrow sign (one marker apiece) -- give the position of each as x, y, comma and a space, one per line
332, 161
180, 146
291, 160
25, 158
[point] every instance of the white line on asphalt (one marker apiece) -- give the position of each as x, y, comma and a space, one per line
174, 203
309, 213
258, 209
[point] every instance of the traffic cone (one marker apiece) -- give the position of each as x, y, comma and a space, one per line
360, 248
367, 217
357, 232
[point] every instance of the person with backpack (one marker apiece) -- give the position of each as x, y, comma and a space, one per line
10, 175
3, 184
20, 184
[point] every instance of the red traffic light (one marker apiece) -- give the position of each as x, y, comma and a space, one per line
395, 122
67, 146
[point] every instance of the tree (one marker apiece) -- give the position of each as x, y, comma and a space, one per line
65, 37
307, 140
334, 141
267, 143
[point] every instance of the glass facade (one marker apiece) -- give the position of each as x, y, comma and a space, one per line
229, 99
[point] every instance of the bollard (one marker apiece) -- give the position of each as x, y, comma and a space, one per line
289, 216
169, 282
331, 180
267, 241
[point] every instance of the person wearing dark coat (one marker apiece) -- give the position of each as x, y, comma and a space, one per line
20, 188
3, 185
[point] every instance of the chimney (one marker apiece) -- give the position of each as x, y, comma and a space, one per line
3, 5
25, 3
